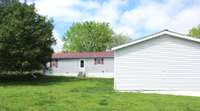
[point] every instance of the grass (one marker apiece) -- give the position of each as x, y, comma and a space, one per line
23, 93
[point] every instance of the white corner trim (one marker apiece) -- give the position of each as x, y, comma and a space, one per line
164, 32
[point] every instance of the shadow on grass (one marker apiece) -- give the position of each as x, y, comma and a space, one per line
30, 80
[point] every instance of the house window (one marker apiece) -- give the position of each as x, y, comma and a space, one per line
98, 61
54, 63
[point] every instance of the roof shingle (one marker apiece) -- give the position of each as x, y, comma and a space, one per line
73, 55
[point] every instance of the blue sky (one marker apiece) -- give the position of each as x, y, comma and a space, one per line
135, 18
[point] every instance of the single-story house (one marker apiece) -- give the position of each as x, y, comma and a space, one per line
89, 64
164, 61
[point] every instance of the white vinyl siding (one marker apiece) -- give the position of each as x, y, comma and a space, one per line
71, 67
162, 63
106, 67
67, 66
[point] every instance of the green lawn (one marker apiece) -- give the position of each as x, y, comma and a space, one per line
22, 93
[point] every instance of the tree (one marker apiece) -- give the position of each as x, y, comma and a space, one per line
119, 39
25, 38
88, 36
91, 36
7, 2
195, 32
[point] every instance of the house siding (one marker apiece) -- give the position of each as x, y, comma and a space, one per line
67, 66
71, 67
162, 63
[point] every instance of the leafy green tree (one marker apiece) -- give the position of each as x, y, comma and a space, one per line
25, 38
91, 36
88, 36
7, 2
195, 32
119, 39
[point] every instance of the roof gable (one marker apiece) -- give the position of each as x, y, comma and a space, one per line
158, 34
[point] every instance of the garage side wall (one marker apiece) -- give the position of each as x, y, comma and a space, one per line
162, 63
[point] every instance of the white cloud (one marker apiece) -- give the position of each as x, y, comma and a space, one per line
150, 16
186, 19
109, 11
147, 17
124, 30
79, 10
59, 42
66, 11
61, 10
154, 16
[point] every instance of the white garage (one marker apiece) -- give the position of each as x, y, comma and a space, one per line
164, 61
